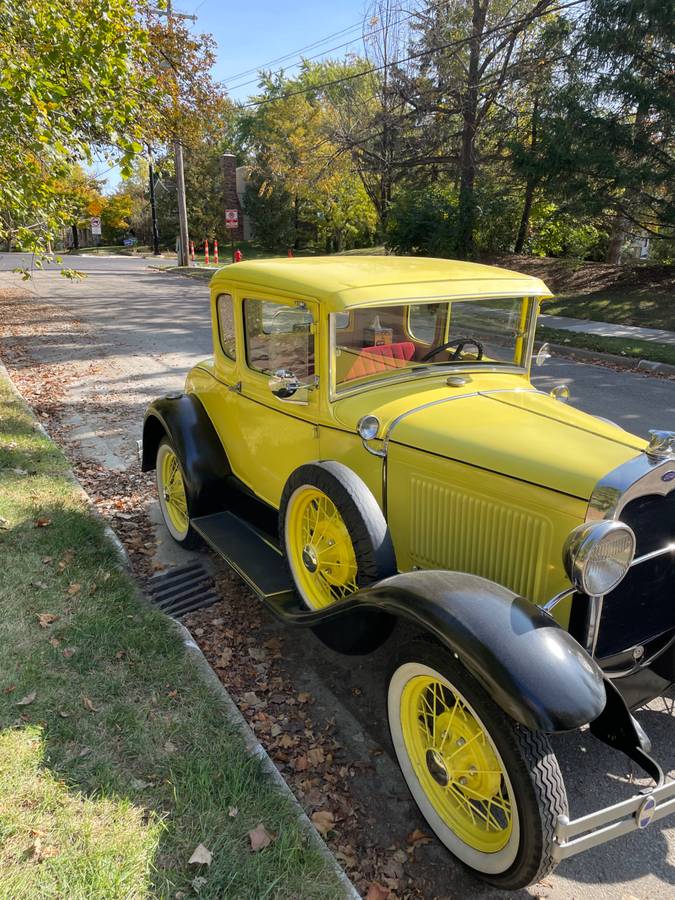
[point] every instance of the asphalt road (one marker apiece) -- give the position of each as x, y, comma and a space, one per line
147, 329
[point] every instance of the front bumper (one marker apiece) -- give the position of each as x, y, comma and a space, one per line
572, 837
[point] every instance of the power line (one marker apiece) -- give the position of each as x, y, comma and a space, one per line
292, 53
372, 69
235, 87
311, 46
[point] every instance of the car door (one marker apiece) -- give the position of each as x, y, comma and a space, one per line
274, 436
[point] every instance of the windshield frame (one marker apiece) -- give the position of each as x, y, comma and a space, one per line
421, 370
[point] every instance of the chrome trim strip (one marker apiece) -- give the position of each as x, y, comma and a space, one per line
442, 370
555, 600
669, 548
635, 478
572, 837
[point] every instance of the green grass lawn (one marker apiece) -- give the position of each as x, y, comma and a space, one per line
637, 305
628, 347
116, 760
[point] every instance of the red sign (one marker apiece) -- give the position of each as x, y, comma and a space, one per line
232, 218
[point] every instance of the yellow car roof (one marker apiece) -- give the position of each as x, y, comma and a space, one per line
340, 282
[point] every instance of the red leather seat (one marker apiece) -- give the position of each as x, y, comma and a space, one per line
384, 356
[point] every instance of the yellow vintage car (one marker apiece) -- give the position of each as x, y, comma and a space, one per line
365, 447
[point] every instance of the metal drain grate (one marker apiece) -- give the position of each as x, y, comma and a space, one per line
183, 590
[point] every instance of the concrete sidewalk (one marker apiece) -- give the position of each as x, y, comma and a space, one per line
608, 329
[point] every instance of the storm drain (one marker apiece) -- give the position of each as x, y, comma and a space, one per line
180, 591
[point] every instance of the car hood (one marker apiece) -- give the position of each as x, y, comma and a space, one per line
521, 433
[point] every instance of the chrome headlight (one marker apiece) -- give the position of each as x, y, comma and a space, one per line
367, 427
597, 556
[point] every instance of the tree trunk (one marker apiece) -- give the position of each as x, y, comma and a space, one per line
467, 164
296, 222
524, 229
622, 226
616, 241
76, 238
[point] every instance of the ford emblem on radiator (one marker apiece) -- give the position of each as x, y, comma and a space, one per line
668, 476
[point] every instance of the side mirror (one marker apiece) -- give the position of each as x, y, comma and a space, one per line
561, 392
543, 354
283, 384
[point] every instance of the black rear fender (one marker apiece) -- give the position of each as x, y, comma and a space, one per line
185, 422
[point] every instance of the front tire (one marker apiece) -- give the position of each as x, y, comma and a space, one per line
172, 493
490, 789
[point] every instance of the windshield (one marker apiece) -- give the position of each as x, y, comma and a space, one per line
386, 341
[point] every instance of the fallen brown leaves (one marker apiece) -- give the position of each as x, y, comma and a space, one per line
201, 856
303, 745
27, 700
301, 742
260, 838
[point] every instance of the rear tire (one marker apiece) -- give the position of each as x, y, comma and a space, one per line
333, 532
495, 804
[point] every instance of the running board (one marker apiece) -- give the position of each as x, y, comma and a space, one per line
257, 559
251, 554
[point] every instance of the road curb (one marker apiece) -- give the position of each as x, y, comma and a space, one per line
202, 666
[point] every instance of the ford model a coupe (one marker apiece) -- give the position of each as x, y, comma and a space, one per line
365, 446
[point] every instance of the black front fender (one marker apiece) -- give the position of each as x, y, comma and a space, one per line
183, 419
529, 665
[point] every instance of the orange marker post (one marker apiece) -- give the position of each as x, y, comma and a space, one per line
215, 253
206, 253
237, 255
192, 252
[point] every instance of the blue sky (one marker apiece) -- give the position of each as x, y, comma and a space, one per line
251, 33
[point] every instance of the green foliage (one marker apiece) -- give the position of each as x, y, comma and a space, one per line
305, 191
424, 221
271, 210
116, 217
73, 76
556, 234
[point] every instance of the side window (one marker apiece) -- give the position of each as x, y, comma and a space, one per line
225, 309
423, 320
279, 336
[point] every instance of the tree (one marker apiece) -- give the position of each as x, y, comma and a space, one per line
299, 175
472, 59
74, 77
604, 147
116, 217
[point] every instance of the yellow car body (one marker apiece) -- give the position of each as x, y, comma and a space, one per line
371, 422
516, 466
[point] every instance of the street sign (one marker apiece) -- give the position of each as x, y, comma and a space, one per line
232, 218
95, 225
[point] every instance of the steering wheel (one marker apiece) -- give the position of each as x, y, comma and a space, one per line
460, 343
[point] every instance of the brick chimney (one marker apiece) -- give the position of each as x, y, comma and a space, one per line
228, 168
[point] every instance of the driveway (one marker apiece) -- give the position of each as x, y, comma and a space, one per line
140, 331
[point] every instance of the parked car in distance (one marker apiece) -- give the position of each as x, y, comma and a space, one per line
365, 447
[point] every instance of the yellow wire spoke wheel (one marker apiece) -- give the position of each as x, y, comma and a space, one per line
320, 549
456, 764
171, 489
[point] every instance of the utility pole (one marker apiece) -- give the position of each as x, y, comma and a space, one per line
153, 205
183, 251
